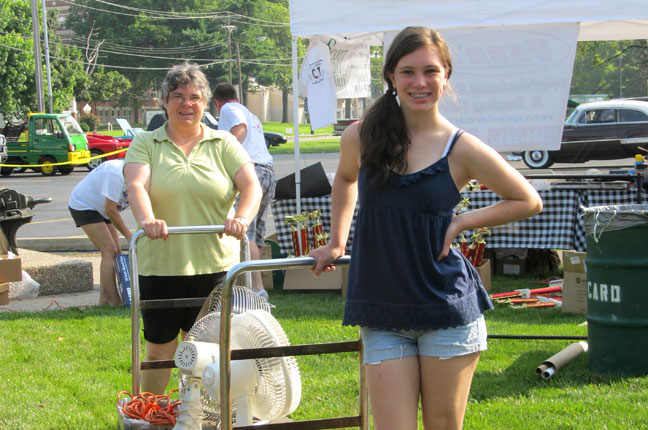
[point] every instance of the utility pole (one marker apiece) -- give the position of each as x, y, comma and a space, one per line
47, 58
37, 55
229, 29
238, 66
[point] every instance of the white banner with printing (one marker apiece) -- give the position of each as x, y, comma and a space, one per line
511, 83
351, 65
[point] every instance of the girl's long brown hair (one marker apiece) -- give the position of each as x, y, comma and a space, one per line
383, 135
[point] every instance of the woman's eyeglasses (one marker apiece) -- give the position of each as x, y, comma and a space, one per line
178, 99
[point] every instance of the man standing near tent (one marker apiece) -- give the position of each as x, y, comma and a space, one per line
246, 127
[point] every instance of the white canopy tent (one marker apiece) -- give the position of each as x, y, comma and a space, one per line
485, 21
599, 19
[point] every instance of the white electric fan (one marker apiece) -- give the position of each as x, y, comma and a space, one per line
265, 388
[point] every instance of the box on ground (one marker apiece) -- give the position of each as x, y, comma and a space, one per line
267, 276
574, 289
303, 279
10, 268
484, 272
4, 293
511, 261
271, 250
510, 266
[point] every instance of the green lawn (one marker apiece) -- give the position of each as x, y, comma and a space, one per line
321, 141
63, 369
308, 146
287, 129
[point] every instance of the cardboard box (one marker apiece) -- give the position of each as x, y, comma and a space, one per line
510, 266
267, 276
303, 279
10, 268
484, 272
4, 293
574, 287
573, 261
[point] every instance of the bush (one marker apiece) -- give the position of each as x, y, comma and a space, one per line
91, 121
84, 126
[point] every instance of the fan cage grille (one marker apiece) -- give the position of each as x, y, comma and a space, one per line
207, 329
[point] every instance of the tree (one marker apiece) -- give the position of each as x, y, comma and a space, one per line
377, 60
148, 39
66, 68
267, 44
16, 59
141, 42
276, 49
614, 68
17, 64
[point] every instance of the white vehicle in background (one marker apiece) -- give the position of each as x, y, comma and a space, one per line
3, 149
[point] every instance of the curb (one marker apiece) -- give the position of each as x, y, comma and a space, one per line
61, 244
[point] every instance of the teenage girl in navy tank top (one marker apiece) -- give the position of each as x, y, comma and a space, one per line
418, 302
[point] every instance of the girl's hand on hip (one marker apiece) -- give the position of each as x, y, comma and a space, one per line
451, 234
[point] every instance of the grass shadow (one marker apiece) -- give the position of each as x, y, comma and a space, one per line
519, 379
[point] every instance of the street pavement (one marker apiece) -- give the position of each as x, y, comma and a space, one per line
52, 229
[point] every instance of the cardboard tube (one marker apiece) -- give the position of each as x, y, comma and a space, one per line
551, 365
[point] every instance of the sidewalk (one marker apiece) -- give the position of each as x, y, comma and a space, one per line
57, 301
80, 299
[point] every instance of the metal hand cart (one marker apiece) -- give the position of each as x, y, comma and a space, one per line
226, 354
137, 304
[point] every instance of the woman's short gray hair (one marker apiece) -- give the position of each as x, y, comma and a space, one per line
185, 74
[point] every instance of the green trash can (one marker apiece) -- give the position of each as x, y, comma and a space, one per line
617, 288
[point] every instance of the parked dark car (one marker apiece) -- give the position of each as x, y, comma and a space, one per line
271, 139
607, 130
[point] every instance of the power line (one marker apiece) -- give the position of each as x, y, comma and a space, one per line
226, 14
175, 50
210, 63
113, 66
258, 61
157, 14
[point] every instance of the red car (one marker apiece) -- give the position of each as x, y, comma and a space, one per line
101, 144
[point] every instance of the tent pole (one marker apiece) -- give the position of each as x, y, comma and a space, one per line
296, 124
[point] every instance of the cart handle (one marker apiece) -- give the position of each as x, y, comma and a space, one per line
135, 300
226, 319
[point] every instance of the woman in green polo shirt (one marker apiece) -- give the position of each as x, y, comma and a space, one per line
185, 174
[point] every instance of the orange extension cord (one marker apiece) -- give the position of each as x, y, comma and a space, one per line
154, 408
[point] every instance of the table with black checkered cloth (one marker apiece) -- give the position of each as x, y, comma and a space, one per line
551, 229
282, 208
559, 226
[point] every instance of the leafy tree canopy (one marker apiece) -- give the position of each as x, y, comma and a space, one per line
16, 59
146, 37
615, 68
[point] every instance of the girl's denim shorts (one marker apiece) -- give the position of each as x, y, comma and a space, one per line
382, 345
